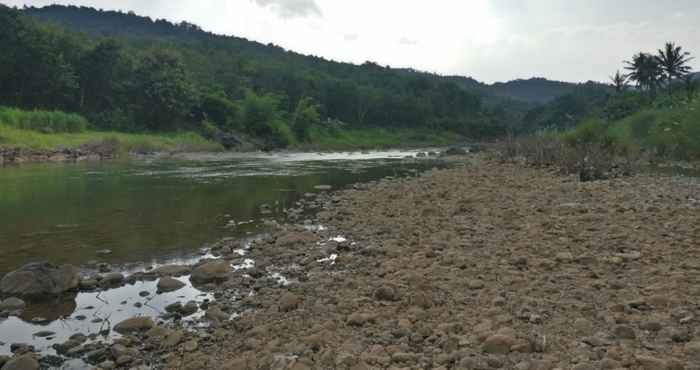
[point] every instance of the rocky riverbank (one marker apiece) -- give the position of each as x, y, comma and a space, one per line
22, 155
486, 266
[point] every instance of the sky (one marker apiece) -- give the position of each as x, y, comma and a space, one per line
490, 40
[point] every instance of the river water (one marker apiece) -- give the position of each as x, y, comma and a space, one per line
161, 208
150, 212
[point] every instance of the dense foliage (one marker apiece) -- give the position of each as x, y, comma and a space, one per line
158, 76
658, 117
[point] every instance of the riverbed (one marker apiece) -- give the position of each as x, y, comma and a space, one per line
133, 215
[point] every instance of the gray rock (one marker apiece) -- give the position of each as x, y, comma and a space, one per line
40, 280
12, 304
134, 324
475, 284
168, 284
215, 314
97, 356
189, 309
112, 279
88, 283
172, 270
386, 293
119, 351
211, 272
24, 362
624, 332
498, 344
289, 302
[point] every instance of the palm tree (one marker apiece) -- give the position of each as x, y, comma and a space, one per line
645, 70
673, 61
619, 80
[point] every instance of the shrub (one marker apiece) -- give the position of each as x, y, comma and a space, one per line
43, 121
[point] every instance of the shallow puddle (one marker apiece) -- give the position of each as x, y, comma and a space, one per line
92, 314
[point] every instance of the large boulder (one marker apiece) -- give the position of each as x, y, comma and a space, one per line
23, 362
134, 324
39, 280
211, 272
168, 284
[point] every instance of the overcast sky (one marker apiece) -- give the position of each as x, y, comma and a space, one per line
490, 40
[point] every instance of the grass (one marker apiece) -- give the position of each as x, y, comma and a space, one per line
376, 138
187, 141
52, 130
43, 121
667, 132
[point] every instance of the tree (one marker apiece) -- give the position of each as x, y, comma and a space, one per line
619, 80
104, 72
166, 95
645, 70
673, 61
305, 116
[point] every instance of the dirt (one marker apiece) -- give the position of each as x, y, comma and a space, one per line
489, 265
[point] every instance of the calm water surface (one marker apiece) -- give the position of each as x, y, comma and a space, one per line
163, 208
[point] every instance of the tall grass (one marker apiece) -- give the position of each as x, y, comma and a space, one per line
182, 141
43, 121
44, 130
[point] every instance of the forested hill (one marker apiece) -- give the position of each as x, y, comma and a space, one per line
130, 73
111, 23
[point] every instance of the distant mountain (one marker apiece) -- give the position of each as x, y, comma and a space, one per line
534, 90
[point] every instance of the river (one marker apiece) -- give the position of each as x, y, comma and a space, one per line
153, 211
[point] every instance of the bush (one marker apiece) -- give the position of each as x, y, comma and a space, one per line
43, 121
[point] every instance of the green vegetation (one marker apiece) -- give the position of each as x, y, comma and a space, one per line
601, 135
664, 132
43, 121
57, 130
125, 142
128, 73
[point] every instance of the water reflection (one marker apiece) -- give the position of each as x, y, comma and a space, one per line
92, 314
145, 210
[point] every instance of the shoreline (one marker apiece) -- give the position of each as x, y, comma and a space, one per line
488, 265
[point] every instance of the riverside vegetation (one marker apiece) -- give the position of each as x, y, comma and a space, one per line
162, 78
599, 135
131, 74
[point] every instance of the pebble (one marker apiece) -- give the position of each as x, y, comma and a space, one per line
498, 344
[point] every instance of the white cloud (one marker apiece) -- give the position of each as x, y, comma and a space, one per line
292, 8
491, 40
408, 42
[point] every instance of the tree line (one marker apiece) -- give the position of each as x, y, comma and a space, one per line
215, 84
653, 71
